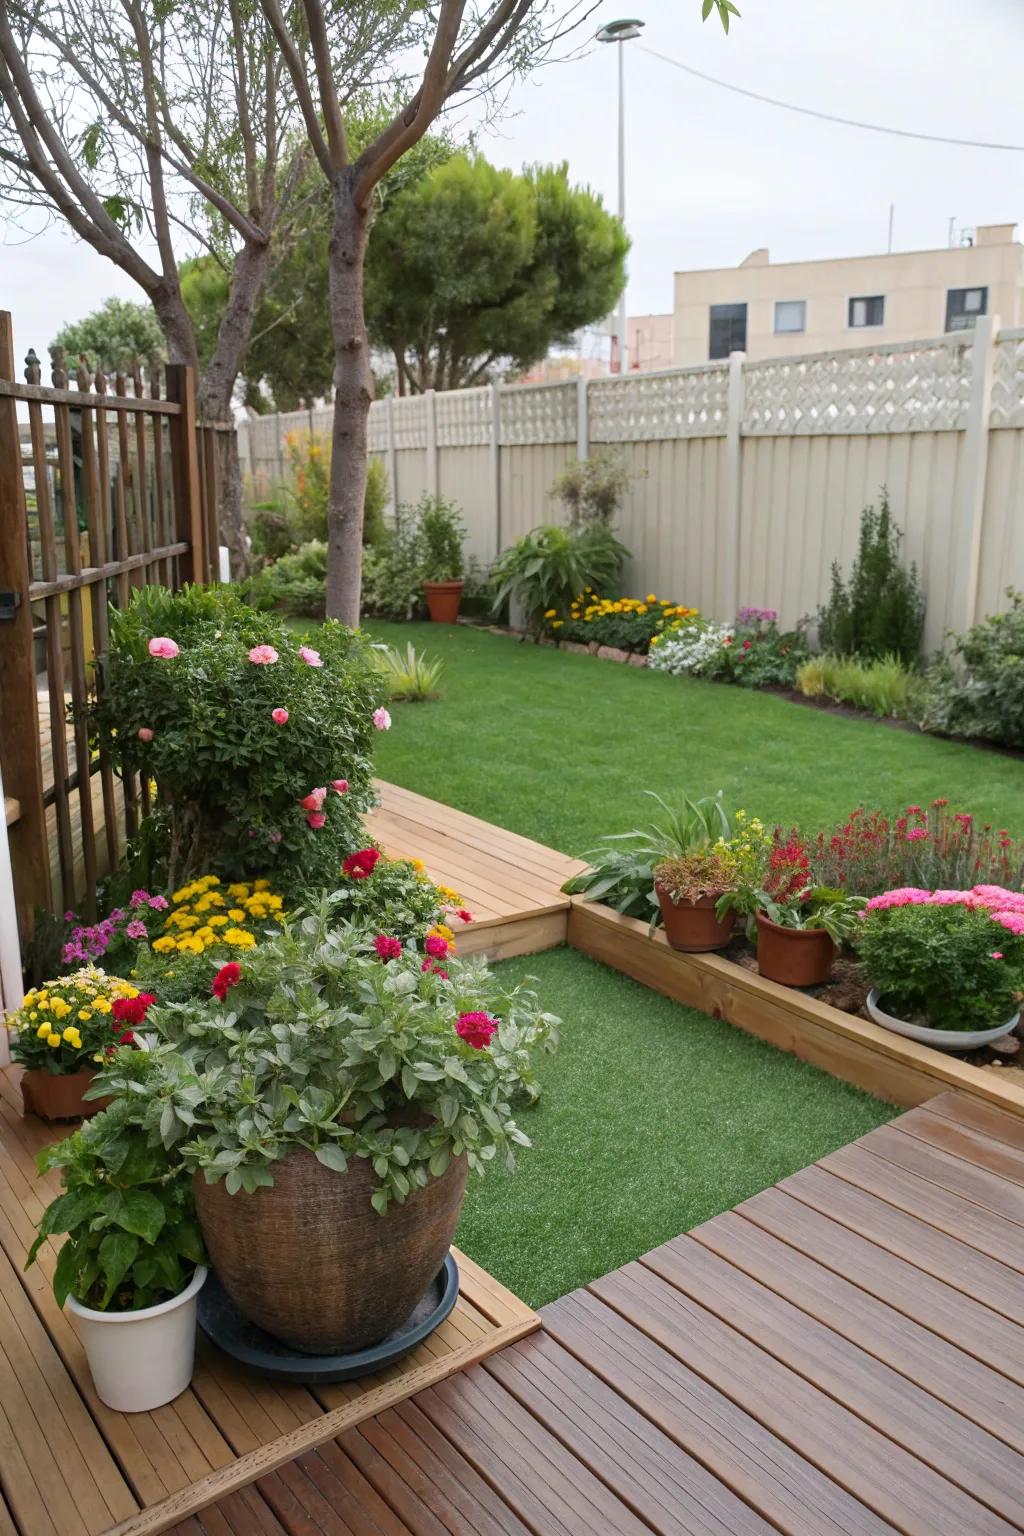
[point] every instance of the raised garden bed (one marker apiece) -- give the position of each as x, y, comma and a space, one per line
850, 1047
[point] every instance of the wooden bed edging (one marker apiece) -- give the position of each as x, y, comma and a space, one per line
851, 1048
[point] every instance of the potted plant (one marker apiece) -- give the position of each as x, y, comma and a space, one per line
63, 1030
946, 967
331, 1142
441, 536
692, 879
132, 1262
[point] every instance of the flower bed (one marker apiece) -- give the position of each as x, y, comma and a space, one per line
628, 624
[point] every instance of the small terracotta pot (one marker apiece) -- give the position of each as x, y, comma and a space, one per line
443, 600
311, 1262
797, 957
58, 1096
692, 925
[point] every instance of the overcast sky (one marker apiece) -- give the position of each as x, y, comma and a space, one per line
711, 176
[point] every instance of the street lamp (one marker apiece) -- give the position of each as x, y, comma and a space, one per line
621, 32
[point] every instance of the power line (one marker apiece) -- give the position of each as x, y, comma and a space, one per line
827, 117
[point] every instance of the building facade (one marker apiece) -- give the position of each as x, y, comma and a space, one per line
783, 309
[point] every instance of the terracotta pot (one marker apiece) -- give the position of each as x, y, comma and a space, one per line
692, 925
311, 1262
797, 957
443, 600
58, 1096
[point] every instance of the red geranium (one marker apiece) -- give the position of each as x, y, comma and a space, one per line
477, 1029
359, 866
227, 977
131, 1010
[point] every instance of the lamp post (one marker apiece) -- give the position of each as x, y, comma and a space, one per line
621, 32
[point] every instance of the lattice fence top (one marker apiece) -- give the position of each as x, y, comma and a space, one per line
688, 402
1008, 380
464, 417
377, 427
542, 413
922, 387
410, 416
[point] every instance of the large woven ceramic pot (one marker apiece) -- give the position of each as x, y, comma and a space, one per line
311, 1262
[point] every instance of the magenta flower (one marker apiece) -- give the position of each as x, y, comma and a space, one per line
159, 903
275, 837
139, 898
162, 645
263, 656
316, 820
382, 720
136, 929
144, 733
387, 947
279, 716
915, 834
477, 1029
314, 801
310, 657
340, 786
435, 945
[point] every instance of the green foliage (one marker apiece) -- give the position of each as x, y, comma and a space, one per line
547, 567
270, 531
981, 694
591, 490
818, 909
114, 336
470, 267
442, 533
886, 687
295, 583
392, 571
397, 898
934, 965
760, 655
229, 776
335, 1050
132, 1239
411, 677
375, 500
880, 610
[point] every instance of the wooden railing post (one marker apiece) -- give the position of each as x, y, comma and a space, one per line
19, 718
188, 502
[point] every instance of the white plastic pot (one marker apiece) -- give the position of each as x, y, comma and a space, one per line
942, 1039
141, 1360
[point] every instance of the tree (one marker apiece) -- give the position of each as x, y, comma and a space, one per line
472, 266
470, 47
118, 332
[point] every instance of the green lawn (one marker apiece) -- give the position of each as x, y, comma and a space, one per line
560, 747
653, 1118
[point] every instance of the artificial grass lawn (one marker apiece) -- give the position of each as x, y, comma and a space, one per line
560, 747
653, 1118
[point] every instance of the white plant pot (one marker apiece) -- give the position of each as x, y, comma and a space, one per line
942, 1039
141, 1360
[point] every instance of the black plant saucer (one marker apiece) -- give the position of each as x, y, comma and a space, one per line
225, 1326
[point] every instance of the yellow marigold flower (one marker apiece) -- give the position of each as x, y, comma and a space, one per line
60, 1007
418, 865
239, 891
98, 1056
239, 938
53, 1040
443, 931
556, 623
72, 1036
550, 613
261, 885
40, 1001
450, 895
181, 895
101, 1005
43, 1030
651, 598
236, 915
275, 903
163, 946
217, 922
85, 1015
191, 945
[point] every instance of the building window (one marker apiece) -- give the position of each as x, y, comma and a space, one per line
869, 311
790, 315
728, 330
963, 306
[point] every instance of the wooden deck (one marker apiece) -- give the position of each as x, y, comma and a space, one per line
71, 1467
511, 885
840, 1354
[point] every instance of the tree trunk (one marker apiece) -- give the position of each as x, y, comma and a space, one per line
353, 392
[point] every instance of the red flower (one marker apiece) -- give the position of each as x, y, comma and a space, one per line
359, 866
477, 1029
227, 977
746, 645
435, 945
464, 916
131, 1010
387, 948
434, 968
127, 1038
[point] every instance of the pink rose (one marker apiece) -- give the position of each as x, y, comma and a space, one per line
382, 720
144, 733
314, 801
340, 786
263, 655
310, 657
279, 716
162, 645
316, 820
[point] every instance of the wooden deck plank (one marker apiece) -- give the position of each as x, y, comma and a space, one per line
969, 1143
477, 833
977, 1114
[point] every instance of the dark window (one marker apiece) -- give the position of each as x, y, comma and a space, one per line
869, 311
728, 330
963, 306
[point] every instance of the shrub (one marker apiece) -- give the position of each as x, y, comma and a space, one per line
982, 695
399, 900
547, 567
756, 654
305, 496
270, 531
692, 651
296, 583
591, 489
392, 576
948, 959
244, 731
886, 687
873, 851
375, 501
880, 610
411, 677
628, 623
441, 534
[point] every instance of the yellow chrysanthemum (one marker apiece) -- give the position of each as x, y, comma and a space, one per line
162, 945
239, 938
236, 915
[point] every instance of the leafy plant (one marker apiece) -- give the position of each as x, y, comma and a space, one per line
375, 501
591, 489
270, 531
392, 571
880, 610
981, 692
758, 655
410, 676
73, 1021
347, 1049
693, 876
131, 1238
949, 966
296, 583
442, 533
398, 899
547, 567
885, 688
938, 848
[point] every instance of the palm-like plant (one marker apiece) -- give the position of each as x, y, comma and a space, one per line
411, 676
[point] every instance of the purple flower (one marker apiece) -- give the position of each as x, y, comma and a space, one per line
139, 898
136, 929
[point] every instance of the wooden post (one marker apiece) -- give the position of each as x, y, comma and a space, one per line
188, 503
582, 420
733, 486
19, 739
967, 533
430, 402
392, 455
496, 464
